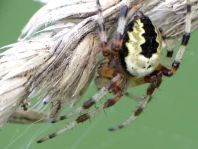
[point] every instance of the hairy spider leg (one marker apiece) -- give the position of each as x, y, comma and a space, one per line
169, 49
102, 32
117, 41
134, 97
71, 125
94, 99
118, 35
122, 20
155, 81
169, 52
176, 63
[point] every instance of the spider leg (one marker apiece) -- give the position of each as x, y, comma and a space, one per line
122, 21
112, 84
102, 32
155, 81
170, 51
134, 97
117, 41
84, 117
175, 65
80, 119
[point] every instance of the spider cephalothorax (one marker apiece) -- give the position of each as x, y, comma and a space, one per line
133, 60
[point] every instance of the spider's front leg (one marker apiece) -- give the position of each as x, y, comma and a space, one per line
102, 33
155, 80
118, 36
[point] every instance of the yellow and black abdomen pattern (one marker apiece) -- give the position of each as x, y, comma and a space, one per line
141, 47
150, 46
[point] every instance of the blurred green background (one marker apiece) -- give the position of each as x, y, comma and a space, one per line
169, 122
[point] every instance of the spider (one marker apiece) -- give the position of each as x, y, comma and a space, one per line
133, 60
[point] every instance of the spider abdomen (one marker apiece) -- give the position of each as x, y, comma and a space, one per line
141, 48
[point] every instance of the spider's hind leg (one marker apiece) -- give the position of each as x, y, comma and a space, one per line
185, 39
155, 81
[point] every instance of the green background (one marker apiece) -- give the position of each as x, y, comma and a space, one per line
169, 122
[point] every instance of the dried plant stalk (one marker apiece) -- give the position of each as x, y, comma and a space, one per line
57, 51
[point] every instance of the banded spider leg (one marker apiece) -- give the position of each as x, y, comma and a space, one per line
185, 39
111, 55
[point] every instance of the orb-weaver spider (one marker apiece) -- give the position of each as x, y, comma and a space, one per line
134, 59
